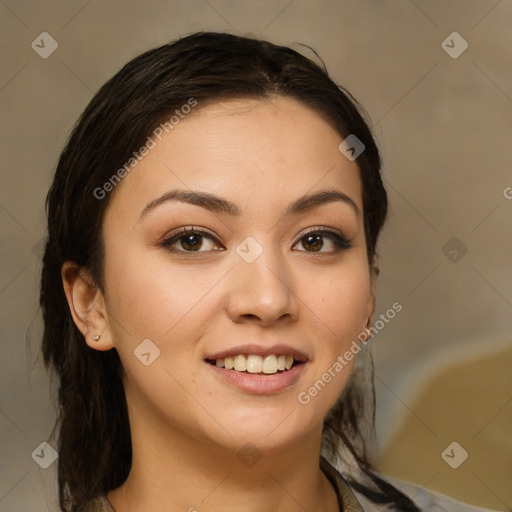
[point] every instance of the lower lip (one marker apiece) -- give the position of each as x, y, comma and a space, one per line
260, 384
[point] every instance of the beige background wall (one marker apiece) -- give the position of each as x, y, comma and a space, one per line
443, 364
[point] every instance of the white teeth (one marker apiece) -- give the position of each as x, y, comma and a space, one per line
240, 363
270, 364
256, 364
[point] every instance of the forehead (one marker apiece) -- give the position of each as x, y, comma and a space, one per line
261, 152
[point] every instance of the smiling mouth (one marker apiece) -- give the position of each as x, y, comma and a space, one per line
254, 364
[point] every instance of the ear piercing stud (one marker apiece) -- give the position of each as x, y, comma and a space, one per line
96, 337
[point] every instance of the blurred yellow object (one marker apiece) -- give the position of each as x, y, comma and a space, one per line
469, 404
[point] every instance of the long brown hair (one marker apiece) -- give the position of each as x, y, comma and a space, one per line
94, 442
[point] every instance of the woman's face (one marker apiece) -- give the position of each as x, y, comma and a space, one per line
249, 278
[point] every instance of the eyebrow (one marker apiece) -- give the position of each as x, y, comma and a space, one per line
218, 204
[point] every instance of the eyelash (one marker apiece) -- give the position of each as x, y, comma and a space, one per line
339, 240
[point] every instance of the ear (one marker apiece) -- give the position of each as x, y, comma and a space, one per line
87, 305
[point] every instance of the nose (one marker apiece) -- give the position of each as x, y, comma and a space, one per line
262, 290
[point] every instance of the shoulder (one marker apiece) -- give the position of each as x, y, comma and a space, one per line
425, 499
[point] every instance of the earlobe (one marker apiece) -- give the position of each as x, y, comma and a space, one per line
370, 314
87, 307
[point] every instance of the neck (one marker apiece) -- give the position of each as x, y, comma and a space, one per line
173, 472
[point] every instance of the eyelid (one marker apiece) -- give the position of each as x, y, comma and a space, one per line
322, 229
187, 229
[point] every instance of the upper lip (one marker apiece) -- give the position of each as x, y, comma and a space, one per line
260, 350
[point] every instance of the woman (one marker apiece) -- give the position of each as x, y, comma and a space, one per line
213, 220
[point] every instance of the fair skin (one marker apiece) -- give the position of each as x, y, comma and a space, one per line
187, 422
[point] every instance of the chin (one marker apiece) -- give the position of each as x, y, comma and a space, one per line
266, 429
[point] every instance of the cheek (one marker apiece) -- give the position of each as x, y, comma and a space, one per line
148, 295
341, 299
340, 308
147, 300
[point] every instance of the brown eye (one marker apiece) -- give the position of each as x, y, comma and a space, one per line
192, 242
314, 241
187, 241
